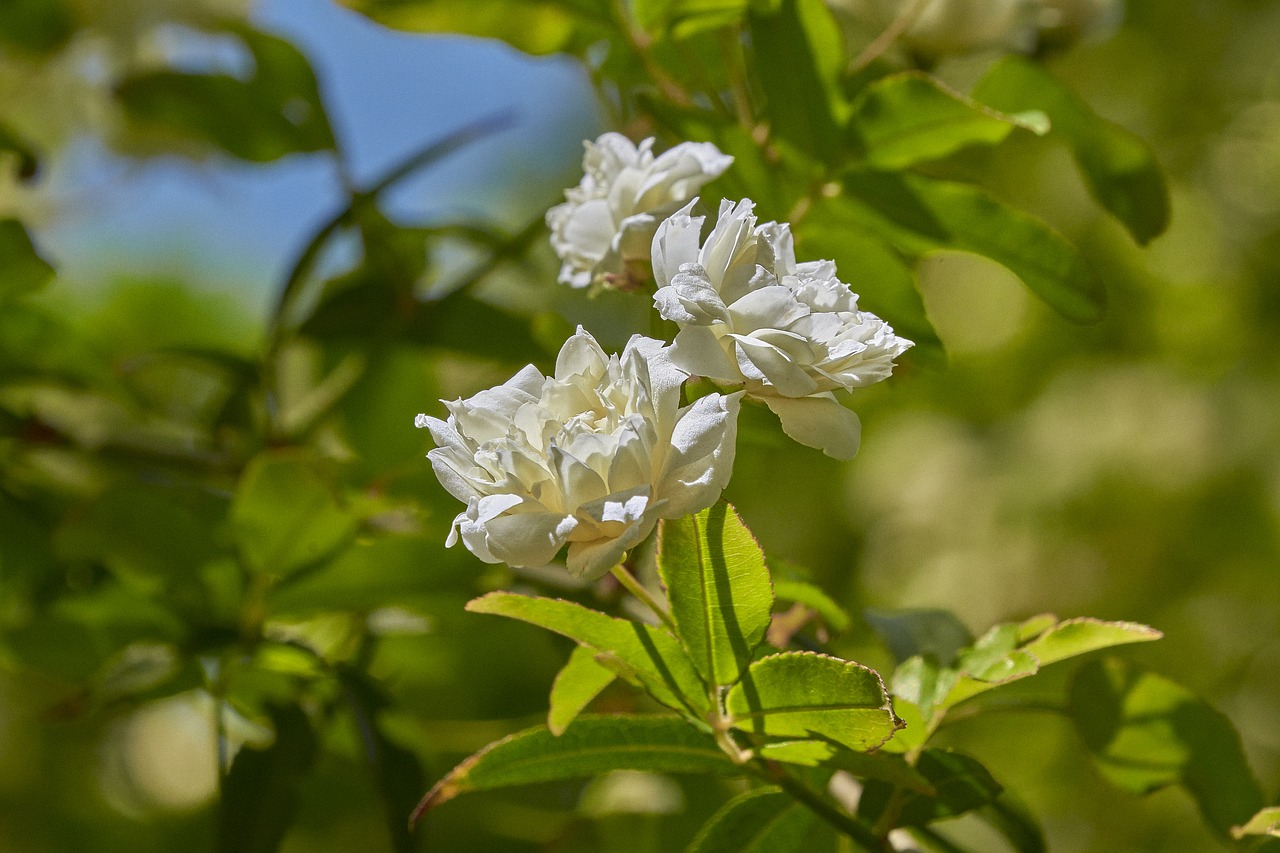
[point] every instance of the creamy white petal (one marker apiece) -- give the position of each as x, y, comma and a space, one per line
819, 422
698, 352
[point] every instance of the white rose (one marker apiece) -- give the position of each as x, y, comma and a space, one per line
790, 334
591, 457
950, 27
608, 220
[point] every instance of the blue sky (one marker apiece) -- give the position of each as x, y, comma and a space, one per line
232, 226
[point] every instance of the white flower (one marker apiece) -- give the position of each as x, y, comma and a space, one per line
608, 220
591, 457
789, 333
950, 27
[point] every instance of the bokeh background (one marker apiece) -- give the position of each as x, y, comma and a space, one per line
1126, 470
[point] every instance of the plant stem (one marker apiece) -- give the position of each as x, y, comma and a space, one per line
892, 33
775, 773
633, 586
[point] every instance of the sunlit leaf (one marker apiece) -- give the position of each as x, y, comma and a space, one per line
719, 589
911, 118
815, 599
593, 744
22, 270
261, 792
638, 652
1145, 732
275, 112
808, 695
1120, 169
918, 215
1265, 822
960, 785
761, 821
575, 686
683, 18
286, 515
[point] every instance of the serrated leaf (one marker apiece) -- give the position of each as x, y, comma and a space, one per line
1145, 732
648, 654
719, 589
1081, 636
22, 270
593, 744
799, 59
918, 215
285, 515
275, 112
911, 118
762, 821
960, 783
260, 793
580, 681
1119, 168
1265, 822
809, 695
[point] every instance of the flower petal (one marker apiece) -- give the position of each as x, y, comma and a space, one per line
819, 422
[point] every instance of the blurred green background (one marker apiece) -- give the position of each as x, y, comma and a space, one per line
1126, 470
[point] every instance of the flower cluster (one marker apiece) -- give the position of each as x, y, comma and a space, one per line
594, 455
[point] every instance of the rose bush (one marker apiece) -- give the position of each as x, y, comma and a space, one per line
590, 457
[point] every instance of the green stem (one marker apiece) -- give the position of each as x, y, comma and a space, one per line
776, 774
633, 586
892, 33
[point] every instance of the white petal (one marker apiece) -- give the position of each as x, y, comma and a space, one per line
819, 422
675, 243
580, 355
702, 462
773, 307
764, 361
527, 539
698, 352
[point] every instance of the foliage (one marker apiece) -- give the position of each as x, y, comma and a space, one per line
254, 526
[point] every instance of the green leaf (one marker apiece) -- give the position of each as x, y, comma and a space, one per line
799, 58
593, 744
719, 589
1120, 169
35, 26
538, 27
960, 784
765, 820
684, 18
880, 765
885, 283
285, 515
22, 270
911, 118
260, 793
815, 599
918, 215
1146, 732
1080, 636
581, 680
1011, 818
935, 633
1265, 822
813, 696
640, 653
276, 112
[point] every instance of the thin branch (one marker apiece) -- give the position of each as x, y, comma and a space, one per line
633, 586
892, 33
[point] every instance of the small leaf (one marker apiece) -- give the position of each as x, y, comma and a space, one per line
815, 599
22, 271
880, 765
911, 118
799, 58
593, 744
578, 683
919, 215
645, 653
761, 821
960, 783
1081, 636
285, 515
1265, 822
1146, 732
936, 633
808, 695
260, 793
1120, 169
719, 589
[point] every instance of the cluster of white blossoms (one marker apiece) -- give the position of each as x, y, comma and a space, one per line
590, 457
608, 220
594, 455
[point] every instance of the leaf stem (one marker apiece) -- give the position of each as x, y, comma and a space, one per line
633, 586
775, 773
892, 33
